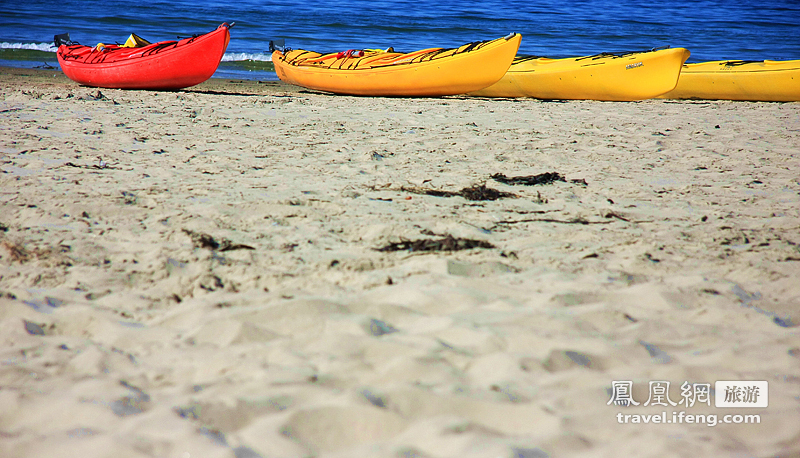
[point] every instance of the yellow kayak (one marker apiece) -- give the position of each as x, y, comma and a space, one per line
425, 73
769, 81
611, 77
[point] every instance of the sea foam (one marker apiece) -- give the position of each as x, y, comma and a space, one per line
47, 47
239, 56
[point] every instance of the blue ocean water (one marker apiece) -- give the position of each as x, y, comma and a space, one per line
710, 29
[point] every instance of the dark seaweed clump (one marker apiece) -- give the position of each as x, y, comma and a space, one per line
448, 243
532, 180
476, 192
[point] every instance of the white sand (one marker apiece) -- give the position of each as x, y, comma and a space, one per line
679, 261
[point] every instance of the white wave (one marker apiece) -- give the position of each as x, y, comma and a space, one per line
48, 47
237, 56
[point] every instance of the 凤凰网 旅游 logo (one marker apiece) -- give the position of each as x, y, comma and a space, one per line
726, 393
634, 65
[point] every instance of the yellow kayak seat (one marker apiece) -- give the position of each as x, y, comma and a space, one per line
135, 41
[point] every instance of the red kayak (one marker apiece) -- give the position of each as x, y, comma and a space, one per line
163, 65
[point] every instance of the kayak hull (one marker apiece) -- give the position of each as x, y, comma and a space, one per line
768, 81
607, 77
166, 65
425, 73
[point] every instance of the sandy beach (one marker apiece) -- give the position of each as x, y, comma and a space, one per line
249, 269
